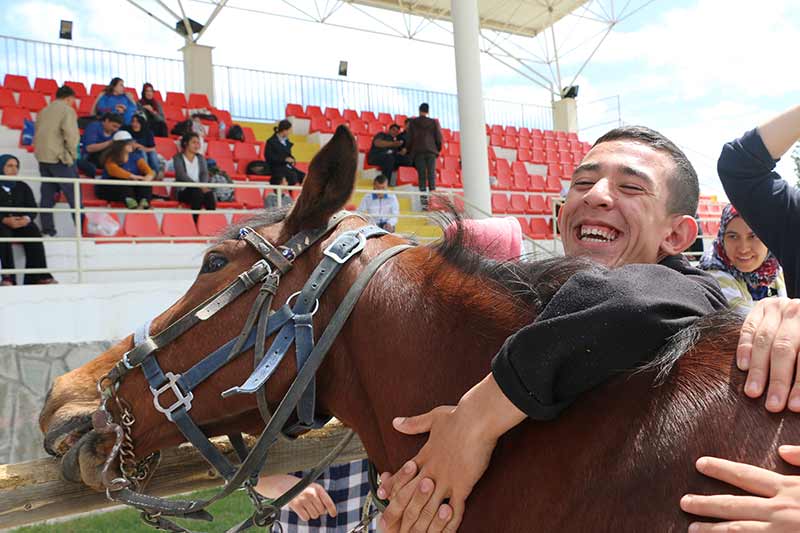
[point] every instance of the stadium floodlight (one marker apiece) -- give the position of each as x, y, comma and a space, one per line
195, 26
342, 68
570, 92
65, 30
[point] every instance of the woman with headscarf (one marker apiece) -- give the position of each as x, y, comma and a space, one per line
742, 265
19, 224
153, 111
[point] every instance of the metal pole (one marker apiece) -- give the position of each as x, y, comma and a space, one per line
474, 157
78, 229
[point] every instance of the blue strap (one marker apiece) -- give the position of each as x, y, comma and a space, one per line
304, 336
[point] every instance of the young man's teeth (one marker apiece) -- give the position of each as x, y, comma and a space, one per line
597, 235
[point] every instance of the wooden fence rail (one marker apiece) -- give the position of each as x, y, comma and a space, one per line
34, 491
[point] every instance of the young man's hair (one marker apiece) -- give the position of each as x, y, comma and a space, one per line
380, 179
113, 117
394, 126
64, 92
683, 186
423, 108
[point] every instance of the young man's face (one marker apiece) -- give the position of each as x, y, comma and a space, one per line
616, 208
394, 131
110, 127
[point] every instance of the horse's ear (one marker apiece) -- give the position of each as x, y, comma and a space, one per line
328, 185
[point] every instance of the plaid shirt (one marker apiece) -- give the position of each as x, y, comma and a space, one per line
348, 486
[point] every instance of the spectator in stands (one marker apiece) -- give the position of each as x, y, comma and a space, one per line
745, 270
271, 200
381, 206
115, 100
190, 166
144, 142
278, 154
153, 111
19, 224
424, 145
56, 149
96, 139
384, 150
122, 162
403, 159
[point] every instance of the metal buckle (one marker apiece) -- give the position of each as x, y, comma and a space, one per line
289, 299
362, 242
181, 401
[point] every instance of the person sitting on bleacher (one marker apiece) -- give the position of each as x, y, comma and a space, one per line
143, 141
381, 206
96, 139
153, 111
121, 162
271, 199
403, 159
278, 154
18, 224
190, 166
115, 100
742, 265
384, 150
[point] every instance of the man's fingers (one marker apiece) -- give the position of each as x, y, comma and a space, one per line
327, 501
443, 515
728, 527
790, 454
393, 515
727, 507
747, 477
300, 510
783, 356
428, 513
414, 425
762, 345
458, 514
748, 332
391, 484
424, 491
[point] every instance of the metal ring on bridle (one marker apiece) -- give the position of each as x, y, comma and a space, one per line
316, 304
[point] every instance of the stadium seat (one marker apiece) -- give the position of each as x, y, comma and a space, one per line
222, 116
211, 224
166, 147
78, 87
218, 150
538, 156
96, 90
456, 137
524, 132
496, 130
537, 143
14, 117
448, 178
553, 184
495, 139
226, 164
503, 182
350, 114
368, 116
554, 170
400, 120
178, 225
499, 203
88, 197
320, 124
503, 166
524, 155
453, 149
565, 157
141, 225
16, 83
332, 113
359, 127
386, 119
518, 168
407, 176
520, 182
561, 135
540, 229
313, 111
244, 150
171, 113
249, 135
295, 110
538, 183
175, 99
451, 163
249, 198
86, 106
549, 134
364, 143
517, 205
536, 205
7, 98
32, 101
510, 142
375, 127
551, 156
199, 101
45, 86
550, 145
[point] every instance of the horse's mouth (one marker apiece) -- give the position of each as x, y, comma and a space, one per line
62, 437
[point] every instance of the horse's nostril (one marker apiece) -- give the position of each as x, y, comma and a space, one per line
61, 435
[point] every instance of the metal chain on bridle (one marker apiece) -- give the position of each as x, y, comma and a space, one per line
293, 325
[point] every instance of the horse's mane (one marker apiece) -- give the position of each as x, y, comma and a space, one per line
266, 217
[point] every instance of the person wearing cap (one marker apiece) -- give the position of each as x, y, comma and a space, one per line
121, 162
381, 206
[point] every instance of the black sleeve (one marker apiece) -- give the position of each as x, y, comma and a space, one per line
767, 203
601, 322
274, 151
27, 200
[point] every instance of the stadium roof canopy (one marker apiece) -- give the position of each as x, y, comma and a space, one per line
526, 18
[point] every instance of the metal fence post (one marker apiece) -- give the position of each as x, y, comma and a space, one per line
78, 228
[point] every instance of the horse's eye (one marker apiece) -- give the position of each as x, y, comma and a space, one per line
213, 263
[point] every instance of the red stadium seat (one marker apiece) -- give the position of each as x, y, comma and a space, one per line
78, 87
499, 203
503, 182
518, 204
551, 145
166, 147
448, 178
375, 127
451, 163
503, 166
16, 83
250, 198
198, 101
218, 150
565, 157
96, 90
511, 130
537, 143
554, 170
359, 127
510, 142
407, 176
211, 224
524, 155
86, 106
178, 225
320, 124
553, 184
226, 164
453, 149
295, 110
400, 120
175, 99
171, 113
495, 139
549, 134
249, 135
368, 116
313, 111
141, 225
520, 182
386, 119
537, 183
518, 168
14, 117
551, 156
244, 150
525, 132
540, 229
536, 205
88, 197
332, 113
222, 116
364, 143
45, 86
524, 142
561, 135
496, 130
32, 101
7, 98
350, 114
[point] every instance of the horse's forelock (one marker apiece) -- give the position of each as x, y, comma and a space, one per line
266, 217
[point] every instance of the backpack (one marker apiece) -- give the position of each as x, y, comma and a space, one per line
28, 130
236, 133
182, 128
258, 168
222, 194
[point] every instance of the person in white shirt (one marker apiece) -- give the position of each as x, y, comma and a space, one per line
381, 206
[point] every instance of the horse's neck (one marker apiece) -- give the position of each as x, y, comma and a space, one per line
414, 345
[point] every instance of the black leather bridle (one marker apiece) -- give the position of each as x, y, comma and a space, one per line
293, 324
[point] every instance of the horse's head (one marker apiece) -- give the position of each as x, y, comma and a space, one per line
66, 418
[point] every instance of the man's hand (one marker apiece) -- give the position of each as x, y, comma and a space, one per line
120, 109
455, 457
774, 508
310, 504
768, 348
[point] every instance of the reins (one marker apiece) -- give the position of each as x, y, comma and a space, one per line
293, 325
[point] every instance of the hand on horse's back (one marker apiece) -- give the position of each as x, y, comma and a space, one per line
768, 350
460, 445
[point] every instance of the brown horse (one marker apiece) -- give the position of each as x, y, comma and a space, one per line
422, 333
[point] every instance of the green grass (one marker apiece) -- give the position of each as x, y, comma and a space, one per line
227, 513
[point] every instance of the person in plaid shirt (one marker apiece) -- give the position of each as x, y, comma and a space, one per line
333, 504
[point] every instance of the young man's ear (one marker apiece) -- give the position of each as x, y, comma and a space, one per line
683, 234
